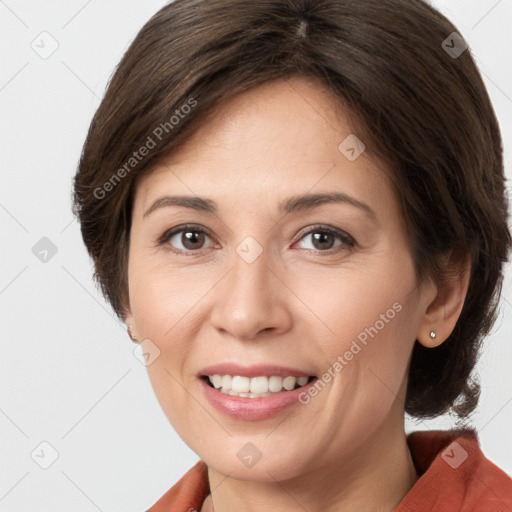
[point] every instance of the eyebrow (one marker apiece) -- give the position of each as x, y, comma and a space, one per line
289, 205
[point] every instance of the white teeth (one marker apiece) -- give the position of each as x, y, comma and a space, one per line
289, 383
216, 380
241, 384
275, 384
226, 381
255, 387
259, 385
301, 381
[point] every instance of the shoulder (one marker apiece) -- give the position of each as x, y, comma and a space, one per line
186, 495
455, 474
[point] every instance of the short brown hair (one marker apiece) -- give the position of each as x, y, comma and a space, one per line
422, 110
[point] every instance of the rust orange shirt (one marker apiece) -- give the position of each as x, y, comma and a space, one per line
454, 476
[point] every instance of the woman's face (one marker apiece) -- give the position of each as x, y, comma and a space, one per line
253, 280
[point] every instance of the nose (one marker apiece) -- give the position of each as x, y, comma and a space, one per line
252, 299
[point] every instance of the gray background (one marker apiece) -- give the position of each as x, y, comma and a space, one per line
68, 375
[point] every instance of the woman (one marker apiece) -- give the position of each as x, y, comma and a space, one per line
234, 140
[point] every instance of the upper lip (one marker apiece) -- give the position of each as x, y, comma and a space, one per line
257, 370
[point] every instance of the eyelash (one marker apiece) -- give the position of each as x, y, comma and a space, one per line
347, 240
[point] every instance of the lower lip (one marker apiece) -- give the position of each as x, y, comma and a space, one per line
245, 408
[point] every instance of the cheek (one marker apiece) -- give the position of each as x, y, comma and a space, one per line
370, 321
363, 301
162, 305
168, 308
161, 297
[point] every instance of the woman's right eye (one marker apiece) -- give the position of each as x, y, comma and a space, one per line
184, 239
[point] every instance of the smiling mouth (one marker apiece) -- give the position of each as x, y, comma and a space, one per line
255, 387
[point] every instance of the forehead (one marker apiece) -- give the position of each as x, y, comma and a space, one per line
281, 137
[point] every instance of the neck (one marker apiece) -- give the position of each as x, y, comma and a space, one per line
375, 480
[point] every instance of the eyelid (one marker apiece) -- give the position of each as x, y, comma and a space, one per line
169, 233
182, 227
346, 239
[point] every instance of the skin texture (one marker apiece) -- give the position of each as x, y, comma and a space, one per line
299, 304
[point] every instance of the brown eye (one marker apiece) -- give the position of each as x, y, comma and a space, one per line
185, 239
192, 239
323, 240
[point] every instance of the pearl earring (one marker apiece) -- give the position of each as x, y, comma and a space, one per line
433, 335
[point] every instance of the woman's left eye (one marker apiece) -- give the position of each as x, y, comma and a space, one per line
193, 238
323, 239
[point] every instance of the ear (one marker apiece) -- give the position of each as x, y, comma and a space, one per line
128, 319
130, 327
444, 303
